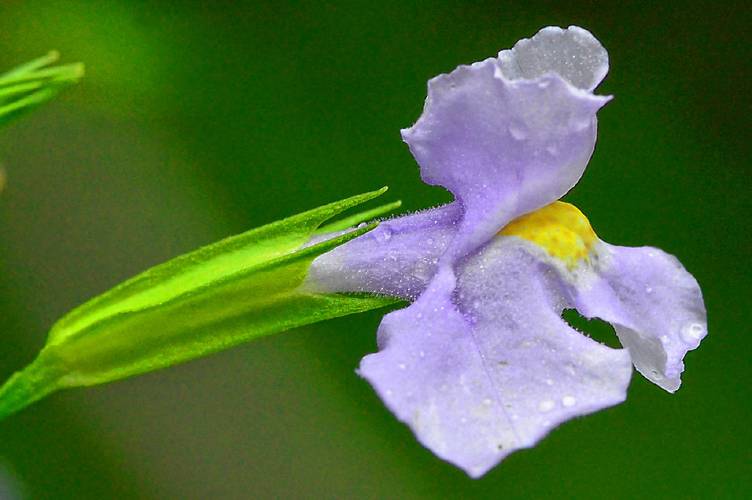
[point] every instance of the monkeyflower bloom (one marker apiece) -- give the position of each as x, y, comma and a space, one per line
482, 364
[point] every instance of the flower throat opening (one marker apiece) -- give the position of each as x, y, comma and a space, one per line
559, 228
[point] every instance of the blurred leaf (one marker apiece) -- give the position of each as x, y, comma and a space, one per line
34, 83
216, 297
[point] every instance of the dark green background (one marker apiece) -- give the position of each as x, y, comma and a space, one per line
199, 120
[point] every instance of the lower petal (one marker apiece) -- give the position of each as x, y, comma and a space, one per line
495, 368
655, 305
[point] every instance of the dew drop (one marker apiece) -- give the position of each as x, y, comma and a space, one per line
422, 354
383, 235
581, 124
402, 366
549, 381
517, 132
568, 401
546, 405
692, 333
552, 149
487, 402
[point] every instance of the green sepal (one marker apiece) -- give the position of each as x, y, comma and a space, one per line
218, 296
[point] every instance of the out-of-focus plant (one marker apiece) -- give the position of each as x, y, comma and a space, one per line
27, 86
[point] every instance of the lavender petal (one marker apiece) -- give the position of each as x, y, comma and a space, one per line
655, 305
496, 369
508, 143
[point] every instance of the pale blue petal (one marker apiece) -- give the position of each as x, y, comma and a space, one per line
655, 305
494, 370
505, 144
398, 258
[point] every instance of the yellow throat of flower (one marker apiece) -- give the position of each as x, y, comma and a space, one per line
559, 228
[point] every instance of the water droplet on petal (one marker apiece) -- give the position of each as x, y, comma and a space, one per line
568, 401
383, 234
692, 333
579, 124
546, 405
517, 132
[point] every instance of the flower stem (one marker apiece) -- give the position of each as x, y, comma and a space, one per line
27, 386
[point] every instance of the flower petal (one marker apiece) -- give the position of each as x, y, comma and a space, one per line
655, 305
572, 53
507, 142
496, 374
398, 258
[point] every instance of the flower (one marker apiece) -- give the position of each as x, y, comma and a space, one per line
482, 364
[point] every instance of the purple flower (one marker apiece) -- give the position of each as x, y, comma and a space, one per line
481, 363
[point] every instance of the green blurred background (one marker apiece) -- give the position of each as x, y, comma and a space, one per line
197, 120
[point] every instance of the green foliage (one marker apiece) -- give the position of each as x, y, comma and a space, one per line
31, 84
218, 296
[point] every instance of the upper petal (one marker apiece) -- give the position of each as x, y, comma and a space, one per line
572, 53
655, 305
495, 369
508, 135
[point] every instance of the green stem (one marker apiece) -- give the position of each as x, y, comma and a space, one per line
27, 386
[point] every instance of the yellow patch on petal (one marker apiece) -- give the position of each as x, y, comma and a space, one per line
559, 228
